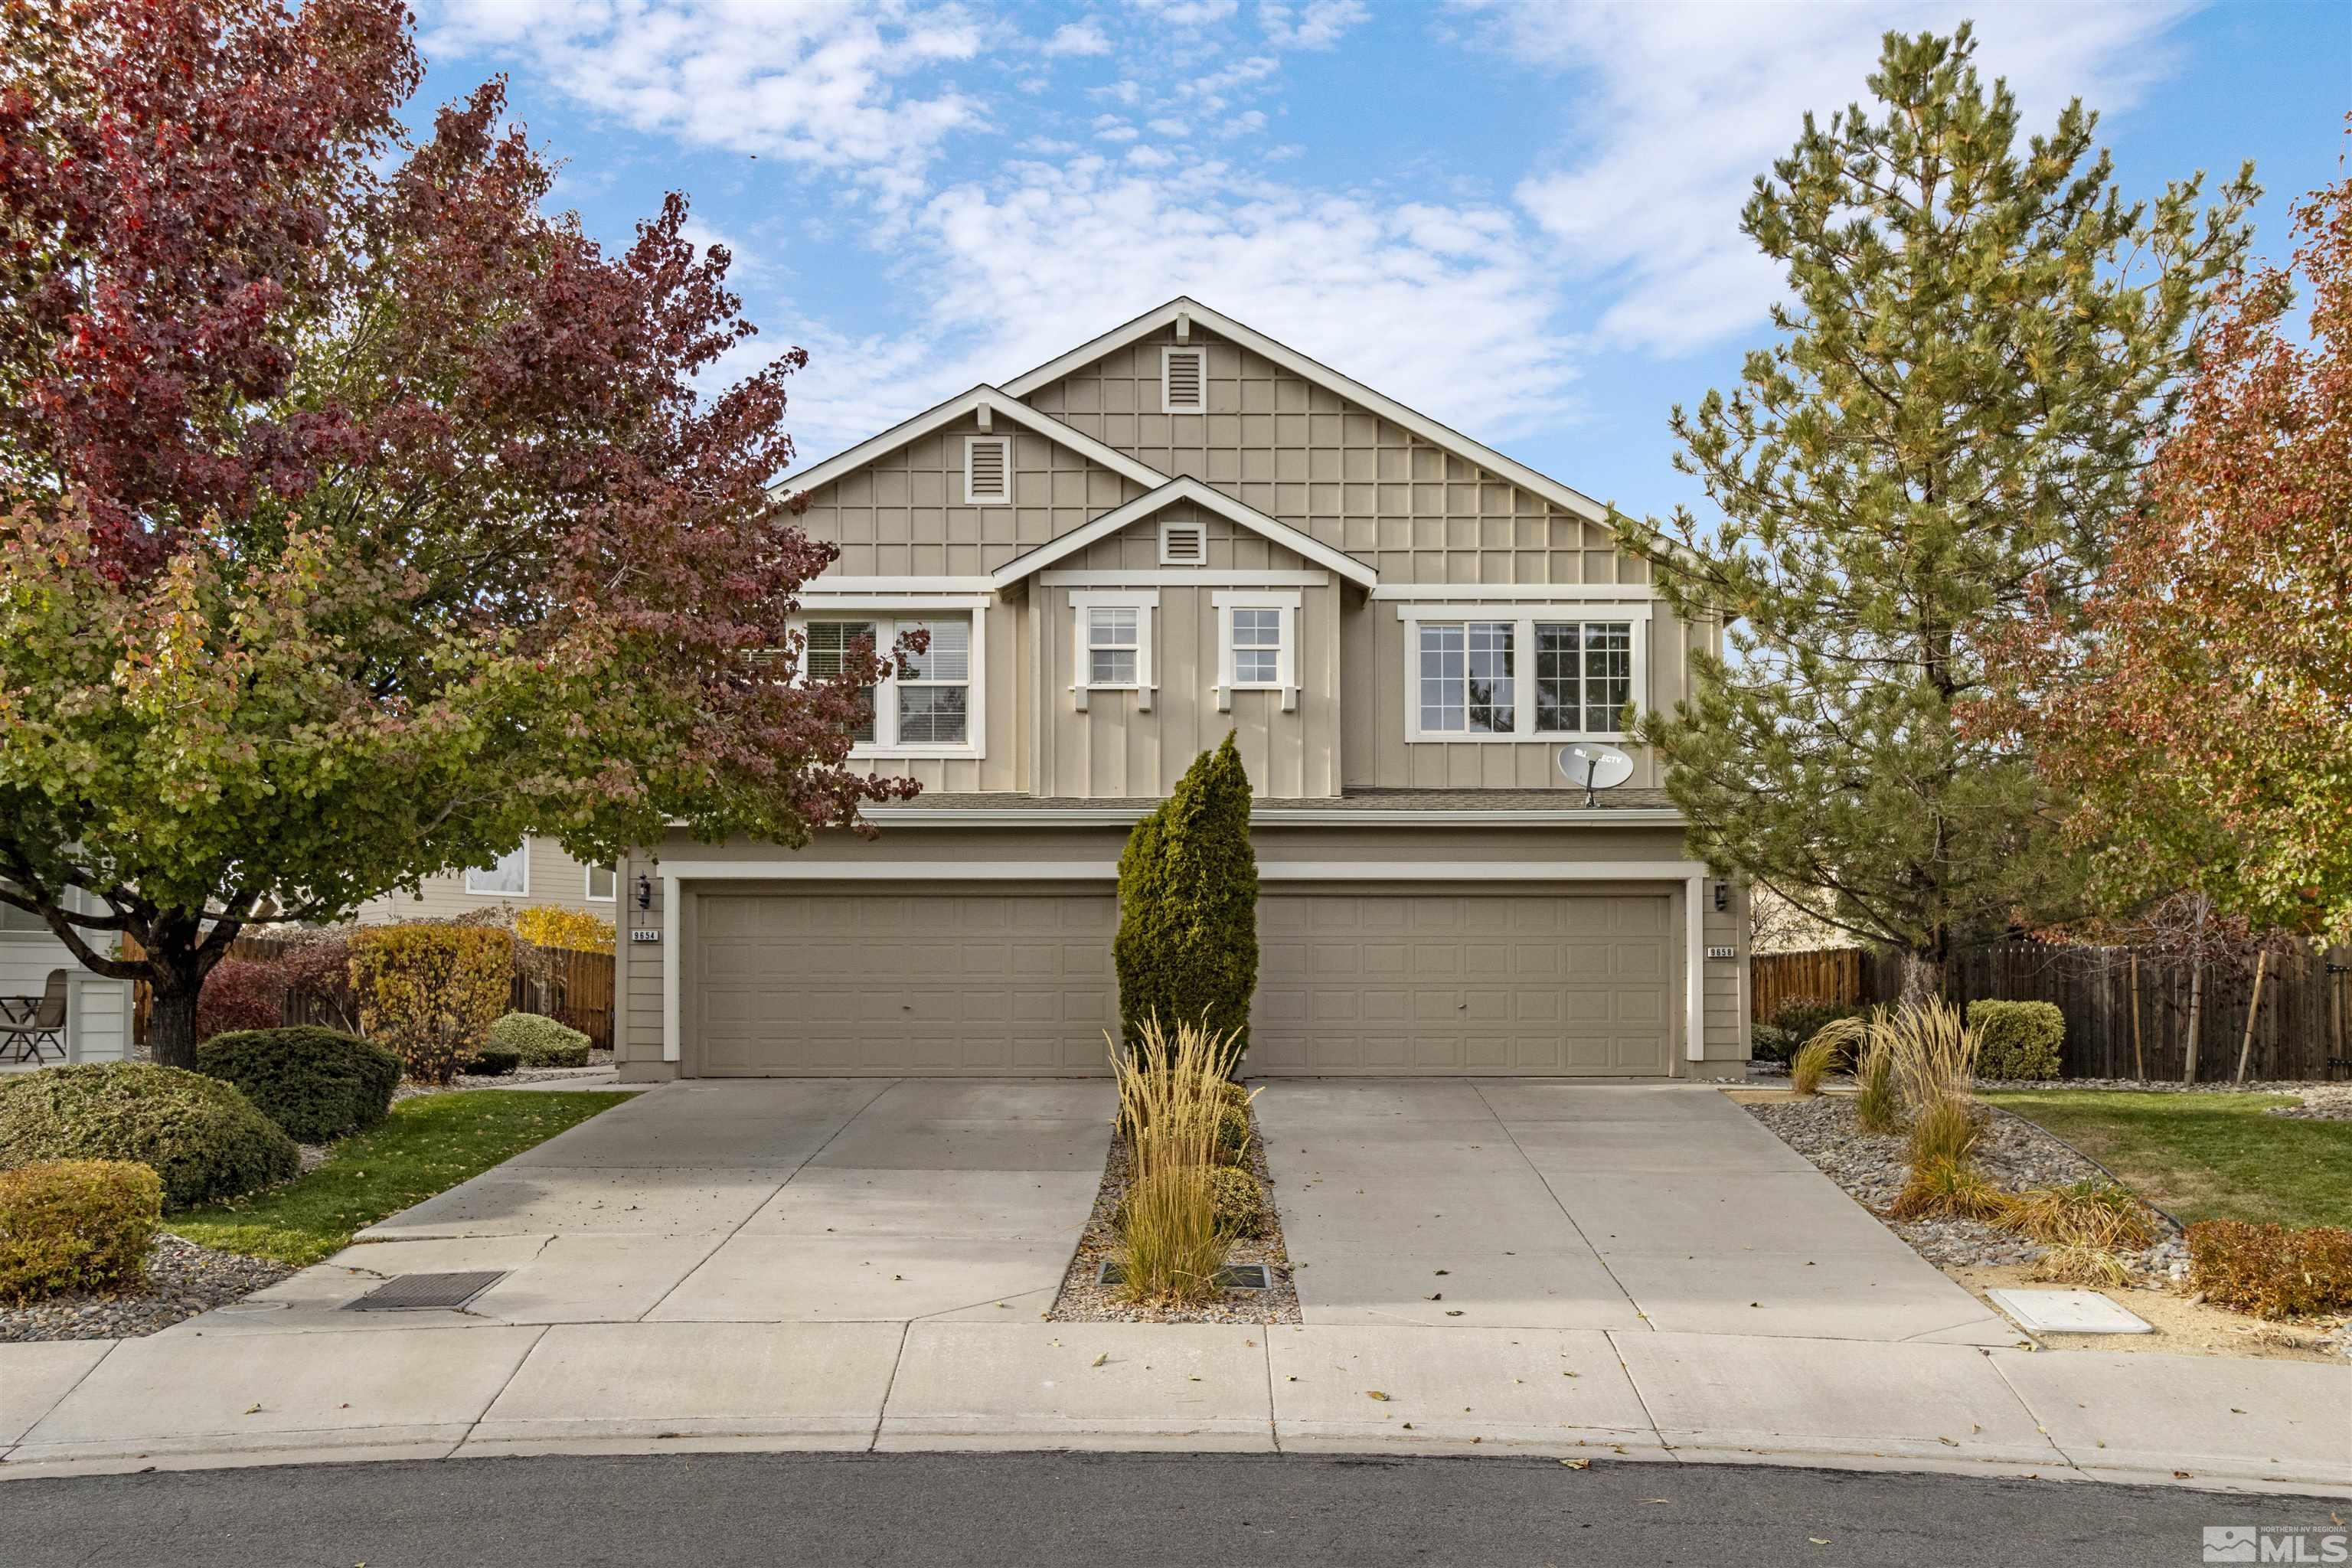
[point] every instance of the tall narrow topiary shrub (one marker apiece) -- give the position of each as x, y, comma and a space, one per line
1186, 943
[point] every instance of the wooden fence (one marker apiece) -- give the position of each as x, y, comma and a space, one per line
574, 987
2124, 1018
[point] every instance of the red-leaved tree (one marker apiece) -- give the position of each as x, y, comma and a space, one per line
2202, 714
357, 516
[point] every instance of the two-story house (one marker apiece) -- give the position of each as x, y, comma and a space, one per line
1180, 529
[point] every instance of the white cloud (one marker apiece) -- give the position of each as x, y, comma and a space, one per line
1186, 13
1688, 103
1084, 37
1149, 157
1111, 128
1169, 127
1246, 123
1316, 26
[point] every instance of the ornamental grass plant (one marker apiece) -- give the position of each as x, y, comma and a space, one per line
1176, 1111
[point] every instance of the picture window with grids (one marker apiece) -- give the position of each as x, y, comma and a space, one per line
831, 645
1585, 676
930, 706
1468, 682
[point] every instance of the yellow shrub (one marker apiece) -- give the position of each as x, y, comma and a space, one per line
432, 992
76, 1225
2270, 1270
576, 929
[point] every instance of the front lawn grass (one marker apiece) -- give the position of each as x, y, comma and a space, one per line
2205, 1156
429, 1144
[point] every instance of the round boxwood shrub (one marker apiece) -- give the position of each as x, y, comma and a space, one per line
76, 1225
318, 1084
491, 1061
541, 1041
2017, 1039
1233, 1134
1240, 1199
200, 1135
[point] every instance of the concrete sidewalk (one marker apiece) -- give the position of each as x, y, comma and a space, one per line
184, 1401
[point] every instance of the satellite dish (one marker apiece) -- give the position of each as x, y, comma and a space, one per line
1595, 766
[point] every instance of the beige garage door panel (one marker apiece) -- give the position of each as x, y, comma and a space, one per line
852, 982
1463, 982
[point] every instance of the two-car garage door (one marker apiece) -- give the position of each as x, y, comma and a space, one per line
857, 981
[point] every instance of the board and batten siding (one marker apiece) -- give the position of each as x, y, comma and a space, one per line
555, 880
1300, 452
98, 1010
903, 514
638, 1022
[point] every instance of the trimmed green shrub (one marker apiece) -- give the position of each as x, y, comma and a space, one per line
76, 1225
1186, 950
1233, 1134
318, 1084
541, 1041
200, 1135
1771, 1043
2017, 1039
1239, 1200
491, 1061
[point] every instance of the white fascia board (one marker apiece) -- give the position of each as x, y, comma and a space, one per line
1186, 577
1206, 497
947, 414
1523, 592
822, 601
818, 587
1323, 375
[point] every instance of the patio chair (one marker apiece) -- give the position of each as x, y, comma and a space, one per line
30, 1025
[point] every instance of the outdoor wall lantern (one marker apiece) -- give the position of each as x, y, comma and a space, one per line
644, 892
1722, 895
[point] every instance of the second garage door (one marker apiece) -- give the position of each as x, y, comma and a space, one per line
863, 981
1467, 982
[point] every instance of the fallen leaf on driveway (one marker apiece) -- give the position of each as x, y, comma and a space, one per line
1376, 1393
1819, 1539
1102, 1358
1578, 1464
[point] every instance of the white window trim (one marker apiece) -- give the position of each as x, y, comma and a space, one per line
523, 892
1170, 352
886, 626
588, 885
1194, 524
1143, 601
970, 496
1286, 659
1522, 618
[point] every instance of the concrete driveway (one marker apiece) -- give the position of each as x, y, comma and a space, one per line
1476, 1203
801, 1201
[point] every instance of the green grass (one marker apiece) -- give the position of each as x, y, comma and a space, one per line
2205, 1156
427, 1145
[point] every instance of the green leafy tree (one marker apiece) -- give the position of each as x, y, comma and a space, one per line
357, 516
1187, 943
1982, 339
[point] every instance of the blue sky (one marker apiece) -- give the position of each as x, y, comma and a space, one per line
1521, 217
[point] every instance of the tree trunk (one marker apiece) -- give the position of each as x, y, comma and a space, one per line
1923, 979
171, 1024
2196, 1015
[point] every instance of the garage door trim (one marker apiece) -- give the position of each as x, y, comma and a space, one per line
1691, 874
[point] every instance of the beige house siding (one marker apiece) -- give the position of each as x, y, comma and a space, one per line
554, 880
1003, 692
1355, 481
902, 515
924, 851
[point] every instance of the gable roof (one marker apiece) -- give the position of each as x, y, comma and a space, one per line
1323, 375
1208, 498
954, 409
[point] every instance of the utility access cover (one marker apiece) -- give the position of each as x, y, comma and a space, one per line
1231, 1277
2069, 1313
423, 1293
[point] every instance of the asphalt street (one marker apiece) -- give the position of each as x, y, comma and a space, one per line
1118, 1511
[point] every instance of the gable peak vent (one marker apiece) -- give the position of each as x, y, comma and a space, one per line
988, 469
1184, 379
1183, 543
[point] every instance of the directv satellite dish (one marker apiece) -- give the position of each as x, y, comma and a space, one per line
1595, 766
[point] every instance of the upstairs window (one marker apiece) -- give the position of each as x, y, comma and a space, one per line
1468, 678
934, 695
987, 470
1111, 643
1114, 644
1585, 676
1184, 380
1257, 646
830, 644
1257, 630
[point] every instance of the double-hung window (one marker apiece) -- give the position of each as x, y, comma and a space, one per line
933, 707
1257, 635
1518, 673
1114, 644
1111, 643
1469, 679
1585, 676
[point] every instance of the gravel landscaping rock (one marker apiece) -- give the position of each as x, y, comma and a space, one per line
1084, 1299
2164, 1086
2014, 1154
183, 1280
2327, 1102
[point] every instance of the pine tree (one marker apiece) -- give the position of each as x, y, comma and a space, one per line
1982, 339
1186, 943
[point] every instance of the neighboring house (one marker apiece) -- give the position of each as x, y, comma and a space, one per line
98, 1010
1179, 529
536, 872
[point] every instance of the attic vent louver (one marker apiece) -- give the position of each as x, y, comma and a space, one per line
1185, 375
1183, 543
987, 475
